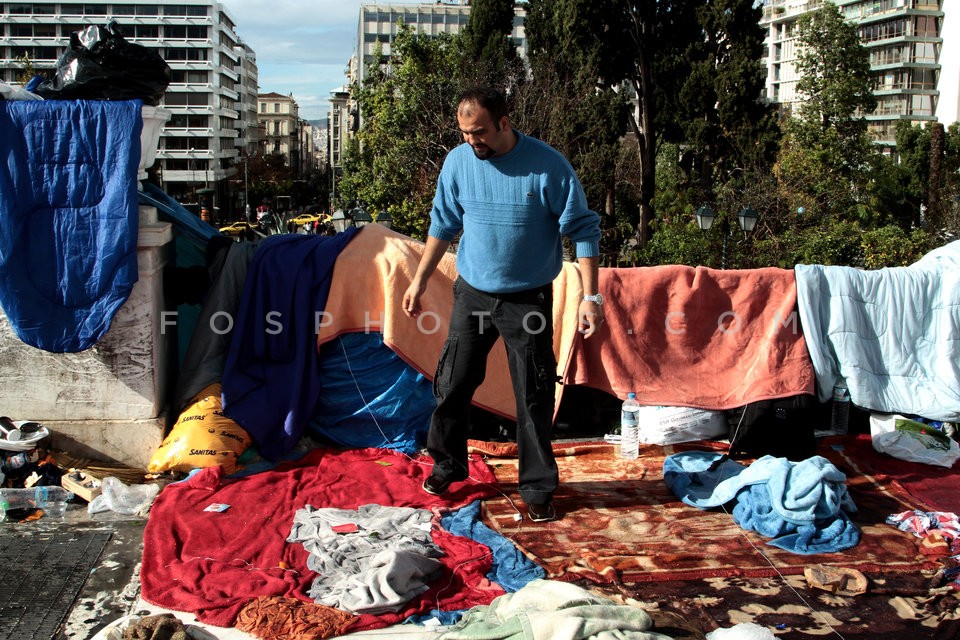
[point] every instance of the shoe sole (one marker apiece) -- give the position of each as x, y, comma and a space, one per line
435, 493
550, 516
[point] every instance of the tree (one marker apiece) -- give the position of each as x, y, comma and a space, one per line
640, 44
489, 56
729, 132
827, 152
27, 69
564, 105
408, 104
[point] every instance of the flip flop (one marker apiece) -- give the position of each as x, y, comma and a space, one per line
30, 427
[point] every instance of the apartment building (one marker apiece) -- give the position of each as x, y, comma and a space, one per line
903, 38
284, 133
211, 96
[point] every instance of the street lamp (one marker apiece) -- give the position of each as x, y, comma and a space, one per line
361, 217
747, 218
385, 219
705, 217
340, 221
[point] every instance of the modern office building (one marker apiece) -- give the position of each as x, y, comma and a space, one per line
904, 41
380, 23
211, 96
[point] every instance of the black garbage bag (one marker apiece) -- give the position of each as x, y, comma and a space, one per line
102, 65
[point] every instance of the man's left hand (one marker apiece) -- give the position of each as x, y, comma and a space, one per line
590, 316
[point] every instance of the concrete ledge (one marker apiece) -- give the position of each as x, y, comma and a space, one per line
130, 442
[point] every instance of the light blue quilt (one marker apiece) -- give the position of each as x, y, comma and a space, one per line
893, 334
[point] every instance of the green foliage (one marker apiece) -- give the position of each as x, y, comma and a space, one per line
726, 126
27, 69
891, 246
833, 242
489, 56
563, 105
834, 70
393, 161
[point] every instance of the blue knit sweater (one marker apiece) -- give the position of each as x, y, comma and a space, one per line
512, 210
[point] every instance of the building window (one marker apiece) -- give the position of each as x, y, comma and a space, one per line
276, 107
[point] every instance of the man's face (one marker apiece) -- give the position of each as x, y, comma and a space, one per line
488, 138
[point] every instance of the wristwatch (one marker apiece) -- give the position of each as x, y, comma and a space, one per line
598, 298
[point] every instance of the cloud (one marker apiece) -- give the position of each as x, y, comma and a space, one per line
302, 47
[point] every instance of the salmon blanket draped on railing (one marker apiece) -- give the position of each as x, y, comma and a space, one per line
674, 335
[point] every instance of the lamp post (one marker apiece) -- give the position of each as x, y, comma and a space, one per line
246, 190
747, 218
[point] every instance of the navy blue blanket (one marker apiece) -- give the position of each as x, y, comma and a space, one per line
271, 379
68, 218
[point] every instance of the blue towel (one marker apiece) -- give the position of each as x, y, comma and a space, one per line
799, 504
754, 511
68, 218
271, 378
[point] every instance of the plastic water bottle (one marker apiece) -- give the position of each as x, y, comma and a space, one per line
630, 427
840, 419
52, 500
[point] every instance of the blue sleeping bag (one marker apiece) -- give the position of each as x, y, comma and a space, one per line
68, 218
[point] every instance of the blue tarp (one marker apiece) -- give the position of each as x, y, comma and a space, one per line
370, 397
68, 218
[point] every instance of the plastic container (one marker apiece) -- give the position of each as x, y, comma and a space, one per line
52, 500
840, 418
630, 427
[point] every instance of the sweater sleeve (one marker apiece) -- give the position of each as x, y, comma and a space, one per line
446, 217
577, 221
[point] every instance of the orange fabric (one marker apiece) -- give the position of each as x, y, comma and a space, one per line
696, 337
279, 618
369, 279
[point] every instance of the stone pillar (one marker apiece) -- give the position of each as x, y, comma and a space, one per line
106, 402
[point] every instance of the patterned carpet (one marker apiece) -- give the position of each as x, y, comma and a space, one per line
623, 533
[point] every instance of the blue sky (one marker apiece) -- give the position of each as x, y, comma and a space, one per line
302, 46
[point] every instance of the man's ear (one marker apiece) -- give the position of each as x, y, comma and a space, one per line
503, 124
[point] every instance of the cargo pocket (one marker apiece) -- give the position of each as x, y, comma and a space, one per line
541, 373
445, 366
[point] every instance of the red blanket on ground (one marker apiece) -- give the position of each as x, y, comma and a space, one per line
211, 563
696, 337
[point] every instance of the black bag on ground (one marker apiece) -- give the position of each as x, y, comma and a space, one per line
102, 65
782, 428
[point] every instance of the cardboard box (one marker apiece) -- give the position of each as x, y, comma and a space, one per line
81, 485
670, 425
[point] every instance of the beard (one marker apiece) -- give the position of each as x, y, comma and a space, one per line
483, 153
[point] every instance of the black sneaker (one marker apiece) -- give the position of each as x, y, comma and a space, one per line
435, 485
542, 512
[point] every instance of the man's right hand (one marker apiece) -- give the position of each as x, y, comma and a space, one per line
411, 299
432, 252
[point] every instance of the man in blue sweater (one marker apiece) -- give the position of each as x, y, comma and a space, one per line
511, 198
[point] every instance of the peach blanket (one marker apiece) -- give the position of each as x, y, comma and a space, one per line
696, 337
675, 335
369, 280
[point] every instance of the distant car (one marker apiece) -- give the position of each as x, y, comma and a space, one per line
237, 228
305, 218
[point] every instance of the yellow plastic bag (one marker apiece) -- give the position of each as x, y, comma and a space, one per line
202, 437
